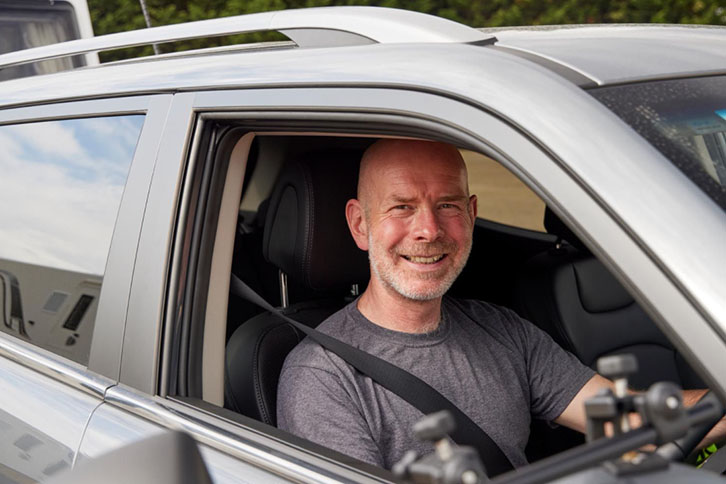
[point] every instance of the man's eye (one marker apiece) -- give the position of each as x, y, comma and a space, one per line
402, 207
448, 206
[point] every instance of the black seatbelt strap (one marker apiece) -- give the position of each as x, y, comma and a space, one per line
407, 386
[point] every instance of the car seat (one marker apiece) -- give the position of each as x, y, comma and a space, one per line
306, 237
571, 295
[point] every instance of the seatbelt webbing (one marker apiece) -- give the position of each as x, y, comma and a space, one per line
412, 389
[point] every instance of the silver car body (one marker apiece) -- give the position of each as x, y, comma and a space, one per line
518, 99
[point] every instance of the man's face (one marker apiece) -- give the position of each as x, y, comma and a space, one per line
419, 219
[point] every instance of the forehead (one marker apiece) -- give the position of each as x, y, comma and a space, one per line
413, 174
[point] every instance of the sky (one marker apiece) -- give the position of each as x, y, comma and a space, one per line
61, 184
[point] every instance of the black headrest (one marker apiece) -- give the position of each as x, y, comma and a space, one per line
555, 226
306, 234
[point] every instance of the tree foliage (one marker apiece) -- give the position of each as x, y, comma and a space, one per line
110, 16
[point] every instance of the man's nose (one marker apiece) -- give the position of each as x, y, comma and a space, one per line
426, 225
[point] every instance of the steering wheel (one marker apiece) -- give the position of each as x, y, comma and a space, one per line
679, 449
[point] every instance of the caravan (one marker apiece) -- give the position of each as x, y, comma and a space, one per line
33, 23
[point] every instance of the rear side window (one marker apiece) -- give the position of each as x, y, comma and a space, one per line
60, 192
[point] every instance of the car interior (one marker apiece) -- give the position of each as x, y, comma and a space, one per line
274, 214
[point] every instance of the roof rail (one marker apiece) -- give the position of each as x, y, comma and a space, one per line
310, 27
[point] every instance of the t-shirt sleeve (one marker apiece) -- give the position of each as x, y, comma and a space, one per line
314, 404
555, 375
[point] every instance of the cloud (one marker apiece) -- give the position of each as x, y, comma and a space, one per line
60, 190
9, 146
50, 138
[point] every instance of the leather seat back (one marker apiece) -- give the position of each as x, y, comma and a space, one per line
306, 236
571, 295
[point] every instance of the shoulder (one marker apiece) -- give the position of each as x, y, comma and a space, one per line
498, 322
482, 313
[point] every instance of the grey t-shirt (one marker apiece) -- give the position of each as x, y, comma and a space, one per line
500, 372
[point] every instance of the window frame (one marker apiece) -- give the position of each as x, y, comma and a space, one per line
388, 111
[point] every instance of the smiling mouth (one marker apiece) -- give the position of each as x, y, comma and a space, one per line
424, 260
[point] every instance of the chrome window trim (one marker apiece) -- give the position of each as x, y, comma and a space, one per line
54, 366
249, 446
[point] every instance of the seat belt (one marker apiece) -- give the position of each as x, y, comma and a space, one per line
412, 389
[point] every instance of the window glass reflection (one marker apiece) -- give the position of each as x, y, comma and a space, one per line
60, 192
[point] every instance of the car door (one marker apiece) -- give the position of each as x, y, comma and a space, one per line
131, 412
72, 197
167, 384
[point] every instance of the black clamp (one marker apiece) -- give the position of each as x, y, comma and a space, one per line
661, 407
608, 405
448, 464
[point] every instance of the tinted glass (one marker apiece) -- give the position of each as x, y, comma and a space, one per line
60, 191
685, 119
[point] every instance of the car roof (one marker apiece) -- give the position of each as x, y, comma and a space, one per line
613, 54
587, 55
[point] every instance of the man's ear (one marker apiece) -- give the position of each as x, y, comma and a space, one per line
473, 208
357, 223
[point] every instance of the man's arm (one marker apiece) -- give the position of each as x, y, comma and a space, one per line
574, 415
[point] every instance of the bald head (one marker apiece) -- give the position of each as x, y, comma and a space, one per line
414, 216
406, 154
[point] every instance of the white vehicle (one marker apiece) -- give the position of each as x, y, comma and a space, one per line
33, 23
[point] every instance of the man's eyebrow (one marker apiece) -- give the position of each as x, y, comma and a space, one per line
400, 199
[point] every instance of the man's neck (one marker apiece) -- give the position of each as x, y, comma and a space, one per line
392, 311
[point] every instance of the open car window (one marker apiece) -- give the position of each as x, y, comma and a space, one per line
524, 271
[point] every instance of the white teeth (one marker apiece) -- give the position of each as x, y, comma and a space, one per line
425, 260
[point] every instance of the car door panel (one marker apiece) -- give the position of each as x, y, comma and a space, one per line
47, 397
128, 415
145, 311
153, 307
42, 416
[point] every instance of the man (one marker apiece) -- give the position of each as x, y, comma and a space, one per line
415, 217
